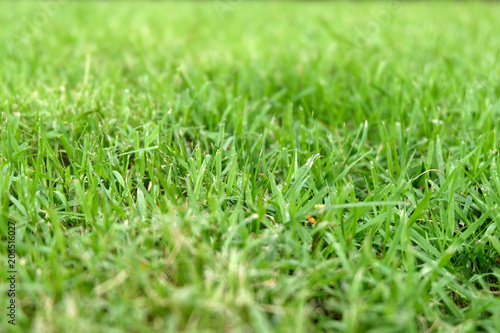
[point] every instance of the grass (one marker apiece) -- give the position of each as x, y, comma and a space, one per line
251, 167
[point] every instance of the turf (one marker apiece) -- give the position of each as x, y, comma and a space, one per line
229, 166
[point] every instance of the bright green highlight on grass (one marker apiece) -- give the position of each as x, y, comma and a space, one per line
160, 161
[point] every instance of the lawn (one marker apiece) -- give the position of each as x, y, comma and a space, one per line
250, 167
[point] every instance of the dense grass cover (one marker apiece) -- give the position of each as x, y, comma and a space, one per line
251, 167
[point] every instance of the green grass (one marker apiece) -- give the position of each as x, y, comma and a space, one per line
160, 162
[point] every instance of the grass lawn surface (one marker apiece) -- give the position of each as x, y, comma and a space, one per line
250, 167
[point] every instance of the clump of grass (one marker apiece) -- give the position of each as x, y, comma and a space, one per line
178, 170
